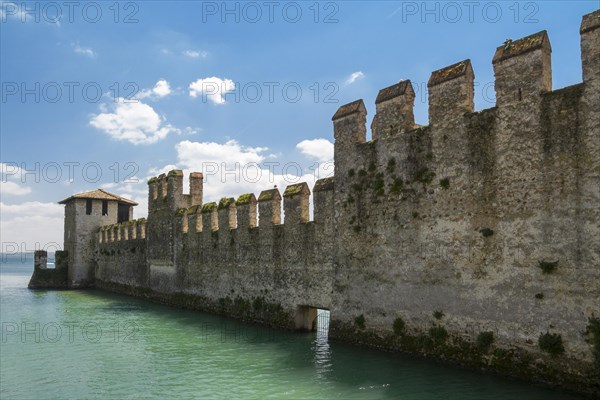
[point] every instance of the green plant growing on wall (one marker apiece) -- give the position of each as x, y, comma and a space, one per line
485, 340
539, 296
372, 167
445, 183
399, 326
547, 267
241, 305
438, 334
396, 186
486, 232
593, 328
360, 321
391, 165
356, 187
424, 175
551, 343
379, 184
356, 228
351, 172
258, 303
438, 315
362, 173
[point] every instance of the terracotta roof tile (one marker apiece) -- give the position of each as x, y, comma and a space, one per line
98, 194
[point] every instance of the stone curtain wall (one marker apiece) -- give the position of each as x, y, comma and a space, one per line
445, 231
121, 254
473, 239
219, 257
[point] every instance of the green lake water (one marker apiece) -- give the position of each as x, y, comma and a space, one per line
93, 344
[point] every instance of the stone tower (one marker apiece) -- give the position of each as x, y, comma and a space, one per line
84, 214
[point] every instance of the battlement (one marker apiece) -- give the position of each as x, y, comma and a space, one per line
522, 70
394, 106
166, 191
134, 229
230, 213
590, 46
451, 92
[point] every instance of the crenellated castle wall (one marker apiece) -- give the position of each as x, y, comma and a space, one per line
426, 238
224, 257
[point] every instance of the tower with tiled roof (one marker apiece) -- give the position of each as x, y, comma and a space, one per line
84, 214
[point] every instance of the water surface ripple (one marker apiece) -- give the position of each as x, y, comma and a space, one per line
93, 344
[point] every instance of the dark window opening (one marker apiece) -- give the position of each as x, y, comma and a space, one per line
104, 207
88, 207
123, 213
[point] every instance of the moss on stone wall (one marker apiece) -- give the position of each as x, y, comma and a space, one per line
441, 345
547, 267
445, 183
293, 190
254, 309
424, 175
267, 195
53, 278
593, 329
244, 199
225, 202
551, 343
209, 207
485, 341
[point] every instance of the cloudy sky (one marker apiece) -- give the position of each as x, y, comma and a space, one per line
105, 94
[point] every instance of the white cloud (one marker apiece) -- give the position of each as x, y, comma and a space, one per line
160, 89
195, 54
354, 77
134, 122
32, 208
10, 180
213, 89
31, 225
319, 149
231, 169
230, 152
13, 188
84, 51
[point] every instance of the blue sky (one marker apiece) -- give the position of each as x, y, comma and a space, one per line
177, 60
